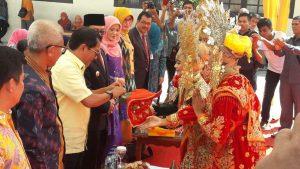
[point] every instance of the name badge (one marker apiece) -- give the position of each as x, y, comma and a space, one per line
151, 56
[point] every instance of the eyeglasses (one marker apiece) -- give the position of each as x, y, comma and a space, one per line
96, 52
63, 48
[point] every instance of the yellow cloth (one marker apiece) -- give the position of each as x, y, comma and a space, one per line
29, 6
12, 153
69, 84
121, 13
278, 12
283, 15
238, 44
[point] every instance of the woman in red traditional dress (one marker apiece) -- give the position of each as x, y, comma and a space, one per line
223, 130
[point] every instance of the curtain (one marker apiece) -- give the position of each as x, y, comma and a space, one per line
278, 12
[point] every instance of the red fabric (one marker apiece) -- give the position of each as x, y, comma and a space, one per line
138, 105
187, 115
144, 40
175, 81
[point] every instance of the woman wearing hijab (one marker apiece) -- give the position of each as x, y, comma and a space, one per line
65, 22
110, 46
126, 18
17, 35
78, 23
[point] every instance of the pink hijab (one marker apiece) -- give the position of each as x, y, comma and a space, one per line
17, 35
111, 47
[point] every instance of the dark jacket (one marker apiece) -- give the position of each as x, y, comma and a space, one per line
3, 10
140, 58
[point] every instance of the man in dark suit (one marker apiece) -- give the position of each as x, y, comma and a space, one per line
96, 77
290, 76
142, 54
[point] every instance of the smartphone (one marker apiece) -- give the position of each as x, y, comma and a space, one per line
165, 2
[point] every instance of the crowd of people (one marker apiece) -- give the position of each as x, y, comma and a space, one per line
60, 103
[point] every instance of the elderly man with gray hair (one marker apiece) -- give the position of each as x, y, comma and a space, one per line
36, 115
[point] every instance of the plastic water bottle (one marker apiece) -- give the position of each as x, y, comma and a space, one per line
111, 160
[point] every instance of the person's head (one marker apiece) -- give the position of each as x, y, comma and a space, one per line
296, 25
188, 6
22, 46
144, 22
125, 17
16, 36
63, 16
112, 29
45, 38
236, 46
243, 10
254, 18
11, 76
78, 21
85, 44
96, 22
244, 21
264, 26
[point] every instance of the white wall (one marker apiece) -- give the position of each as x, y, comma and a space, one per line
52, 10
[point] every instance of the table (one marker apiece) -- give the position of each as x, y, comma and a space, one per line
155, 140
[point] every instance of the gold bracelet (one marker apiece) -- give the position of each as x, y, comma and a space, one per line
172, 119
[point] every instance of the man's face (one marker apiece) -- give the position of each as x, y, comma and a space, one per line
296, 26
91, 53
265, 31
99, 29
253, 22
54, 51
144, 25
243, 22
188, 8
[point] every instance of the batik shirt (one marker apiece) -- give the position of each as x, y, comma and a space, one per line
12, 154
35, 119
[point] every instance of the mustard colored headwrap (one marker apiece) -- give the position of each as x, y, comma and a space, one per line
238, 44
121, 13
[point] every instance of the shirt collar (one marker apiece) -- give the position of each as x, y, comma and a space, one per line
76, 60
141, 35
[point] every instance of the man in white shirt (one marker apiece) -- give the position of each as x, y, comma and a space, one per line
275, 64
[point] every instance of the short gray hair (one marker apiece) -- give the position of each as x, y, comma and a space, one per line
42, 33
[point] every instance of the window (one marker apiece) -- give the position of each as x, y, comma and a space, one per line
134, 3
254, 6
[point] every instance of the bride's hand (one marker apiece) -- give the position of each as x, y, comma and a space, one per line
152, 121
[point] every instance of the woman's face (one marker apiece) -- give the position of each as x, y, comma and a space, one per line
178, 66
113, 32
78, 20
126, 25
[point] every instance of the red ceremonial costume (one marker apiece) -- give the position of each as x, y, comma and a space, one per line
228, 136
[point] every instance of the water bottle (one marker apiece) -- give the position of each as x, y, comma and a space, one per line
111, 160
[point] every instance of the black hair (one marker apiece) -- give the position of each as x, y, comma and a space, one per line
244, 15
296, 17
264, 22
254, 15
83, 35
11, 65
144, 13
187, 3
22, 45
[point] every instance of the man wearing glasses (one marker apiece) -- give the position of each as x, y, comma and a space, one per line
74, 97
36, 115
96, 76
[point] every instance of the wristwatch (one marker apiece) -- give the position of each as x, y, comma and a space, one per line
111, 95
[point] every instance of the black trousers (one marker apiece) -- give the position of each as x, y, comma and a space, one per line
272, 80
73, 161
170, 64
94, 156
3, 28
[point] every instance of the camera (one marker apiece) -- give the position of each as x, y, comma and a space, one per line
150, 5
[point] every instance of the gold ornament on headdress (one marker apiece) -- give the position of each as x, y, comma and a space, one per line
188, 55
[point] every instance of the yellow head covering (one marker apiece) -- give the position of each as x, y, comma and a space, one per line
121, 13
238, 44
